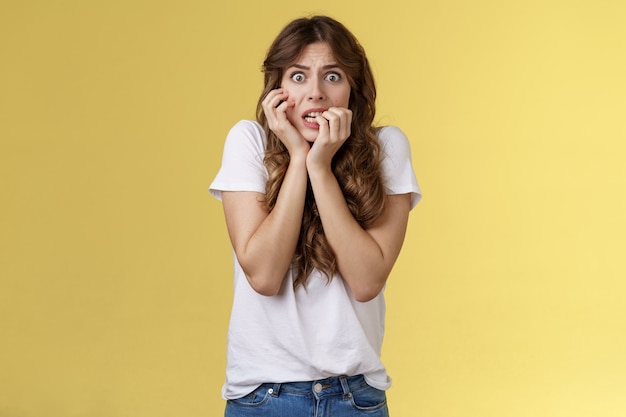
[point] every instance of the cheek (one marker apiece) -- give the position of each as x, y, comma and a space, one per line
343, 98
291, 114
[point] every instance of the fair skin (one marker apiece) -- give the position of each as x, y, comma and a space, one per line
310, 115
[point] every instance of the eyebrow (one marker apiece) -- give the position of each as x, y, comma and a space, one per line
325, 67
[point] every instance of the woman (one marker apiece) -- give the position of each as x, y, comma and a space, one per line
316, 202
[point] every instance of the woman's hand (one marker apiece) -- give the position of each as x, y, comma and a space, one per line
335, 127
275, 107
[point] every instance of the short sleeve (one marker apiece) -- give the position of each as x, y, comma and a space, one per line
242, 166
397, 166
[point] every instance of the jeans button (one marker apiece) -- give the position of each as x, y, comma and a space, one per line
317, 387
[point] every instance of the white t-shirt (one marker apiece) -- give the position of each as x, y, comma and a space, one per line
307, 333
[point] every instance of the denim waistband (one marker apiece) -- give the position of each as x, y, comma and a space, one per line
320, 388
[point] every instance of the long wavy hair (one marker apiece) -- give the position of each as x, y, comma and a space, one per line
357, 164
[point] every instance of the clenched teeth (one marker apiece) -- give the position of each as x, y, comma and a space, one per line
311, 116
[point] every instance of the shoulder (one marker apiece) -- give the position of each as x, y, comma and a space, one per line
242, 166
247, 128
393, 140
397, 163
246, 134
389, 132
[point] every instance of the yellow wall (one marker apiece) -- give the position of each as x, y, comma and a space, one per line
115, 268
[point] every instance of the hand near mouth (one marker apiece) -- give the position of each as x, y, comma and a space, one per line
275, 107
334, 129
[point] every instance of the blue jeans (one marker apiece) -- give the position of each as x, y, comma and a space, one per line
337, 397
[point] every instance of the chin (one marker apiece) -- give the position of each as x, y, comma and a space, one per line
309, 135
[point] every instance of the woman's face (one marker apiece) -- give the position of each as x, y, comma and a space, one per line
315, 82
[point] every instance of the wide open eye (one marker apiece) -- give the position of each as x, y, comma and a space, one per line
333, 77
297, 77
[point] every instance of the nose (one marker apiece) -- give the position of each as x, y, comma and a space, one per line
316, 91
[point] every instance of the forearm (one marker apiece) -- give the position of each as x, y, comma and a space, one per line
267, 255
362, 262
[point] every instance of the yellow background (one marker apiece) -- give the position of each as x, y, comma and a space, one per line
508, 299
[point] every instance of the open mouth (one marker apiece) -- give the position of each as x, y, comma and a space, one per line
310, 117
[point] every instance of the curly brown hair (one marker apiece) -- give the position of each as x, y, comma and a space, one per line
357, 165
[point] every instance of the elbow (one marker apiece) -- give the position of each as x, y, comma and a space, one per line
365, 293
265, 290
265, 286
364, 297
262, 278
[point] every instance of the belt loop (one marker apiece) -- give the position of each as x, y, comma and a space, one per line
275, 390
346, 388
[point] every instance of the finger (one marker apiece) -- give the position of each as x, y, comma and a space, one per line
281, 109
343, 121
273, 99
334, 125
342, 113
270, 105
273, 93
324, 130
335, 122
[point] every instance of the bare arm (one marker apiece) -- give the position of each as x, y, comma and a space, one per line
364, 257
265, 242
